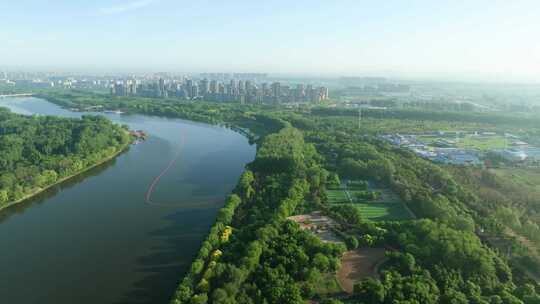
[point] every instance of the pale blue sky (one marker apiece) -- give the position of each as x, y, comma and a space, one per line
476, 39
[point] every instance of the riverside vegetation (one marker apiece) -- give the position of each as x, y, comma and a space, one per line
39, 151
253, 254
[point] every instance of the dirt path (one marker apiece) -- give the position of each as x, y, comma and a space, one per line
358, 264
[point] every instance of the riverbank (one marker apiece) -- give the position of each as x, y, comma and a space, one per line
66, 178
71, 224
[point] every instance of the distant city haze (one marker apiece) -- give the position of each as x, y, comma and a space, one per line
442, 40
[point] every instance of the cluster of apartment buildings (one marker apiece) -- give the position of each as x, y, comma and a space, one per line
223, 87
243, 90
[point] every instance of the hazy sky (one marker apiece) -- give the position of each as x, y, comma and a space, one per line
491, 39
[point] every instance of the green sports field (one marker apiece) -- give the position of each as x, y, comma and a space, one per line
381, 211
388, 208
482, 143
337, 196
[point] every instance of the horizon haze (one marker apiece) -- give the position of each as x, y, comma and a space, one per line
490, 41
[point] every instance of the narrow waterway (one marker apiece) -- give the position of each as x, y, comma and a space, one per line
95, 239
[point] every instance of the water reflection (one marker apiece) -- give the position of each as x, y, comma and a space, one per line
162, 266
42, 197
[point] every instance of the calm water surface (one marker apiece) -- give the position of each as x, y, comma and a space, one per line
94, 239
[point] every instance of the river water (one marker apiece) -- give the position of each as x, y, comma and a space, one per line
94, 239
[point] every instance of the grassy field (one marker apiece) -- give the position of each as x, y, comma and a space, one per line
337, 196
381, 211
387, 208
482, 143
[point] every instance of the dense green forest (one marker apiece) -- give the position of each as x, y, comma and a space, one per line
38, 151
510, 199
451, 253
417, 114
442, 251
205, 112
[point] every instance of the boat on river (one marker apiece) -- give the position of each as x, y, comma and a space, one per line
139, 135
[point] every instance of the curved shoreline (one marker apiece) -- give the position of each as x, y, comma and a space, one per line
63, 179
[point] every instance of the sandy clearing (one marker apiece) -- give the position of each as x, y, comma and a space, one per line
358, 264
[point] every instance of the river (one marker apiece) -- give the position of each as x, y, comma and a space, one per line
95, 239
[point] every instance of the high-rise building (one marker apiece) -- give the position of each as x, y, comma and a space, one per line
161, 87
131, 87
276, 91
213, 87
259, 95
221, 88
248, 87
300, 92
241, 88
119, 89
194, 91
285, 94
310, 93
188, 85
204, 87
324, 93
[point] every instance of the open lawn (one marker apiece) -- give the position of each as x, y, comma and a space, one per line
383, 211
337, 196
388, 207
482, 142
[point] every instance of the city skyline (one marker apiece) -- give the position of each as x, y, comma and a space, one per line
243, 90
484, 40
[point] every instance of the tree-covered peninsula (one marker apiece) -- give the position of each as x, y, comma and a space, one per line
39, 151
